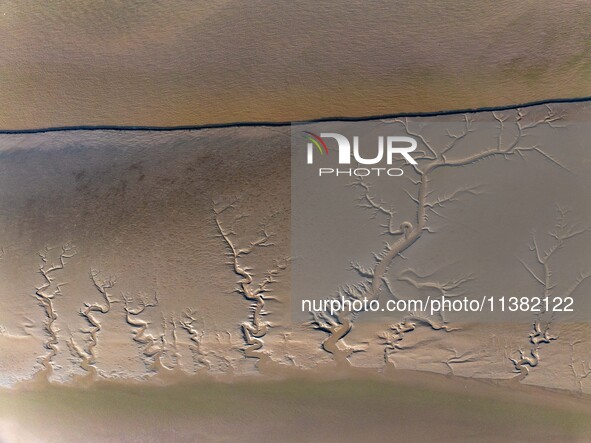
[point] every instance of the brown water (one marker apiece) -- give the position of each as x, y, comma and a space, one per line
187, 63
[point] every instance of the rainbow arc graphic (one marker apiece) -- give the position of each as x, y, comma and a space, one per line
317, 141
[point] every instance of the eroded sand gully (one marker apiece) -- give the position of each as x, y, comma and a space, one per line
152, 256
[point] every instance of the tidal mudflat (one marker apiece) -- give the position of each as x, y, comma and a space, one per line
148, 284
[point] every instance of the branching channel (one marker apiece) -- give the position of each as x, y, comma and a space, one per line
403, 232
256, 292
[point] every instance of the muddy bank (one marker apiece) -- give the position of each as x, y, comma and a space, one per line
413, 406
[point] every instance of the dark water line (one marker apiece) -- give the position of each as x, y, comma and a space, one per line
288, 123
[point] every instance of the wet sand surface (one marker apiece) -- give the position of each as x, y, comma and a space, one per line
409, 406
133, 258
